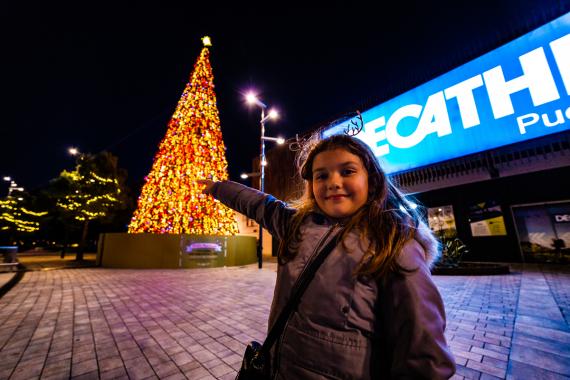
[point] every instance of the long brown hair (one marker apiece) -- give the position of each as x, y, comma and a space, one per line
388, 220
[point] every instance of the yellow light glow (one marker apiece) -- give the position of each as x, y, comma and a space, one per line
207, 41
250, 98
273, 114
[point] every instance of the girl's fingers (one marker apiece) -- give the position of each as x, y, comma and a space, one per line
207, 183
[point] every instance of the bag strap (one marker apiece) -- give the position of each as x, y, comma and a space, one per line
298, 289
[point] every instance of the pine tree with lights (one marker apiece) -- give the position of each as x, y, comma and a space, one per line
171, 201
93, 190
16, 217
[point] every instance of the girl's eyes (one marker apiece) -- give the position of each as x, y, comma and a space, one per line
344, 172
320, 176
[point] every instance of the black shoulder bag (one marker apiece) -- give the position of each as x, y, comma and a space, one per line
256, 364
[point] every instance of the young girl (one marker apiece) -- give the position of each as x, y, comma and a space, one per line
372, 310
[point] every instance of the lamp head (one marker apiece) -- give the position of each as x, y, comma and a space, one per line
250, 98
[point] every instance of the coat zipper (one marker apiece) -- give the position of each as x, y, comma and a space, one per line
311, 258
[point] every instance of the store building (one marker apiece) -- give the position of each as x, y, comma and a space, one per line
485, 148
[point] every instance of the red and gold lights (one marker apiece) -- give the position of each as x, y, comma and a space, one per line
171, 201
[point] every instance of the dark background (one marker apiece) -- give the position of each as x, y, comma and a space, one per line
109, 75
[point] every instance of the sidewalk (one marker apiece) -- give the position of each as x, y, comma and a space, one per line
33, 260
99, 323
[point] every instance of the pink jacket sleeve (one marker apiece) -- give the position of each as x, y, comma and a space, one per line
413, 317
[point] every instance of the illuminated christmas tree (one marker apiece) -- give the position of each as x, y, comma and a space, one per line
171, 201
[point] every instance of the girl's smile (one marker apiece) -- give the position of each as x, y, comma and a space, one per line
339, 183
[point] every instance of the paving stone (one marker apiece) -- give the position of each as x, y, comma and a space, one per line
544, 344
182, 358
175, 376
541, 359
26, 371
203, 356
502, 364
469, 355
165, 369
108, 364
57, 367
518, 370
468, 373
229, 376
164, 323
490, 353
93, 375
131, 353
138, 368
83, 367
486, 376
56, 376
487, 368
197, 373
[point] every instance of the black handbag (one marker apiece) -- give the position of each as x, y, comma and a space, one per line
256, 363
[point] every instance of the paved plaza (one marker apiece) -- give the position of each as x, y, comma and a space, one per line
95, 323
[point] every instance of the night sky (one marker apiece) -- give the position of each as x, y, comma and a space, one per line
107, 76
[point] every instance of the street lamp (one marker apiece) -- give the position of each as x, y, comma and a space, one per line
13, 186
272, 114
248, 175
9, 179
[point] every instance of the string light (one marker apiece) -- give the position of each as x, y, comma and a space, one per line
171, 201
18, 217
93, 196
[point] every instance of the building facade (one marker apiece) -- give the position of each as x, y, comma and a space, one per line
485, 148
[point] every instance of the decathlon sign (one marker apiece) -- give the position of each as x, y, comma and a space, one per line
517, 92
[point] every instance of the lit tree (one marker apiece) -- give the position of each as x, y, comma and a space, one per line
170, 200
91, 191
17, 217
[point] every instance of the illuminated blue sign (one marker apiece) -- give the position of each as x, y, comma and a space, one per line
517, 92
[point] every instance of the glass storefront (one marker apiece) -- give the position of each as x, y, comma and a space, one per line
544, 231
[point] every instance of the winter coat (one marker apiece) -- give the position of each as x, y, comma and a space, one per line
349, 327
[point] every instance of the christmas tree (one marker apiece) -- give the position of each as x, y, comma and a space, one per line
171, 201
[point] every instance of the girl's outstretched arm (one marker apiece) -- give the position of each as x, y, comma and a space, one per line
273, 214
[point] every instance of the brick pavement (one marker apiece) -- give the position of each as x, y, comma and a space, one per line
176, 324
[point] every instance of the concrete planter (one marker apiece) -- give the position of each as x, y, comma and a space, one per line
169, 251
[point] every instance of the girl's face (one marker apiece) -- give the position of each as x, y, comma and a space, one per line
339, 183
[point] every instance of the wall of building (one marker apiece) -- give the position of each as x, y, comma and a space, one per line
537, 187
530, 172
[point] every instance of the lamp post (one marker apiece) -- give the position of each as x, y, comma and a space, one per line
13, 186
272, 114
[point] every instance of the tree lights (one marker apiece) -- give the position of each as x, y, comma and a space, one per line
171, 201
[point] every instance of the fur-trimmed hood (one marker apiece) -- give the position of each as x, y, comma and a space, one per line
429, 243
